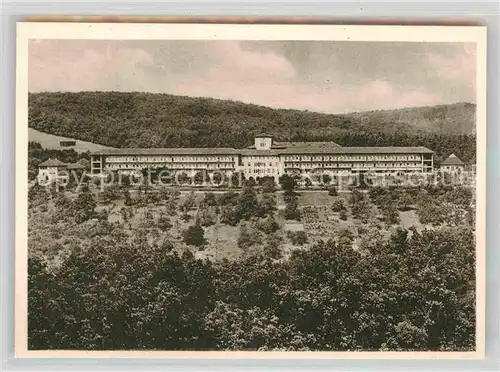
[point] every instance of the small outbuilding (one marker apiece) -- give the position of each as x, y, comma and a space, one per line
50, 170
452, 164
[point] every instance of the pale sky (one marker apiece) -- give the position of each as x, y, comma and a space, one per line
332, 76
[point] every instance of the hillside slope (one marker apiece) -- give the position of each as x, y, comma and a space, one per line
458, 118
50, 141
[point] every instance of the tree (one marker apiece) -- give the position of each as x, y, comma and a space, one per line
83, 207
267, 205
343, 215
217, 179
272, 246
164, 222
184, 179
361, 210
195, 235
189, 203
356, 196
338, 205
431, 211
248, 205
228, 198
250, 182
391, 215
127, 200
268, 225
210, 199
102, 215
405, 202
287, 183
200, 177
344, 238
207, 219
297, 237
372, 240
292, 211
332, 191
247, 237
229, 216
109, 194
326, 179
268, 184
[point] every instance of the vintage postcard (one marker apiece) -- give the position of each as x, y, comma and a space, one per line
263, 191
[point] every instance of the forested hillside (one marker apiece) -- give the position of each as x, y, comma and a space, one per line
162, 120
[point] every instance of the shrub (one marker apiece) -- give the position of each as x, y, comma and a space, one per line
338, 205
332, 191
194, 235
269, 225
297, 237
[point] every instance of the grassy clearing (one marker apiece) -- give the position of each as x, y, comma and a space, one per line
320, 222
50, 141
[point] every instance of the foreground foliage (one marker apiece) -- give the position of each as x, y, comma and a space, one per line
412, 293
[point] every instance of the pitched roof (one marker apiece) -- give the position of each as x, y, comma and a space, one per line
312, 144
331, 149
254, 152
168, 151
356, 150
452, 160
284, 145
76, 166
83, 162
52, 163
261, 135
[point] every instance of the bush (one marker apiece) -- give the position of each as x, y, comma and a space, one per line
297, 237
292, 212
210, 199
248, 237
268, 225
332, 191
338, 205
207, 219
272, 246
194, 235
391, 215
356, 196
164, 223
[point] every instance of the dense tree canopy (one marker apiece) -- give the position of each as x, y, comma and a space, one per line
411, 293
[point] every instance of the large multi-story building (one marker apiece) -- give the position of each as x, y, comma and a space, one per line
268, 158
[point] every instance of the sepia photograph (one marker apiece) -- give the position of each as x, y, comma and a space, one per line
246, 188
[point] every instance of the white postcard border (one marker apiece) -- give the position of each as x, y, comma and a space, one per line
142, 31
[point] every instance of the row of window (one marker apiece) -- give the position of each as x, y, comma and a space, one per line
264, 171
352, 165
178, 166
169, 158
352, 157
266, 159
288, 165
261, 164
208, 161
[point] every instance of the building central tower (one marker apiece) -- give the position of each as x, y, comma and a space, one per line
263, 142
